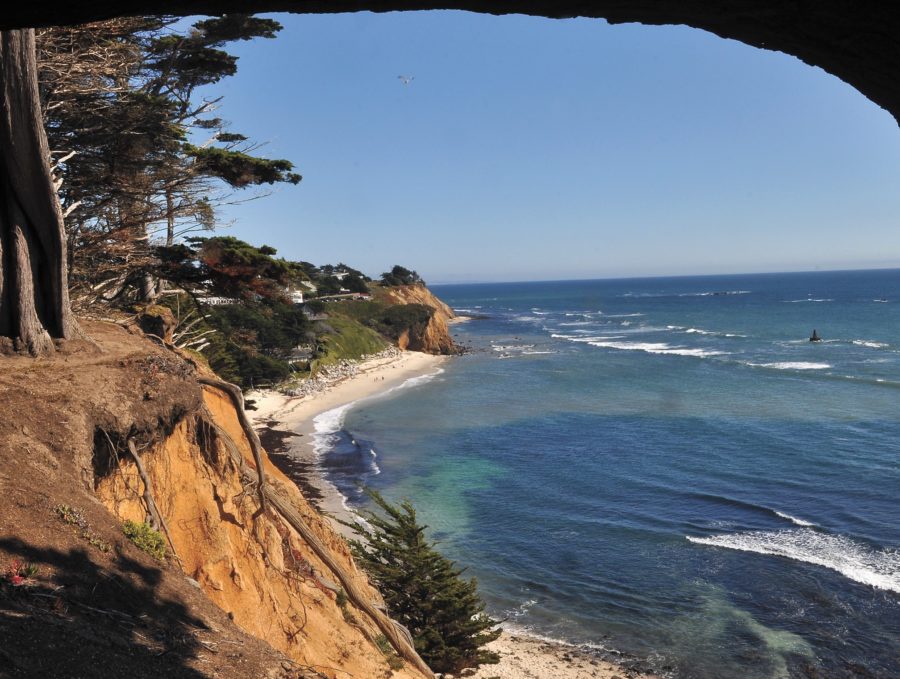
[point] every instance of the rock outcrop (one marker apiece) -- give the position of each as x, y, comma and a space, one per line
434, 336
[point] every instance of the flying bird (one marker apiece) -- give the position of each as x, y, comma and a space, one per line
406, 79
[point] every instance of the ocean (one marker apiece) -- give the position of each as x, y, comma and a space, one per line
663, 468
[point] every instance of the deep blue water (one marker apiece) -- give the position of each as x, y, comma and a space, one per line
660, 468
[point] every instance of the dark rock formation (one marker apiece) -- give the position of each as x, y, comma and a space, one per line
858, 41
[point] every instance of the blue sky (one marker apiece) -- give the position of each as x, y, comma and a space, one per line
529, 149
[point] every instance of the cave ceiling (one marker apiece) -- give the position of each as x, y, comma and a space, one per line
856, 41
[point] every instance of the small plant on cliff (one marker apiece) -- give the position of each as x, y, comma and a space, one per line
424, 591
75, 518
17, 572
146, 539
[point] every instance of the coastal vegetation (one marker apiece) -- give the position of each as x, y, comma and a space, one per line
141, 167
424, 590
400, 275
237, 305
146, 538
143, 163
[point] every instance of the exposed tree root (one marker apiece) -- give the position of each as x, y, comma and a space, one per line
398, 635
237, 398
155, 515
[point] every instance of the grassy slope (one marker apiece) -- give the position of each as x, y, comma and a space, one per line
351, 340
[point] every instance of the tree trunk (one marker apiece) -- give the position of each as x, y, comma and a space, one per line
170, 218
34, 297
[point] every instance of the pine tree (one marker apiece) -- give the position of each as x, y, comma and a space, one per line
424, 590
137, 153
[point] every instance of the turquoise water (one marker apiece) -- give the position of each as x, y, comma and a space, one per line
665, 467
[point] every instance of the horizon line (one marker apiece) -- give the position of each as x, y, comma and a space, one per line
651, 276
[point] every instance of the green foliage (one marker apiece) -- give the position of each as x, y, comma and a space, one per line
121, 104
347, 339
329, 285
424, 591
146, 539
399, 275
252, 340
355, 283
75, 518
393, 321
237, 269
395, 662
240, 169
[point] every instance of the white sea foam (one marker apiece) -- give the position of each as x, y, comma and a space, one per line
794, 519
871, 344
655, 348
412, 382
879, 568
578, 323
793, 365
511, 347
808, 299
701, 331
712, 293
699, 353
326, 426
717, 293
576, 338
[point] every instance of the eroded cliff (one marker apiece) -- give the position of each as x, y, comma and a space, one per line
432, 337
247, 595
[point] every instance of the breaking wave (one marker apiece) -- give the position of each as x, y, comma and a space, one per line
808, 299
878, 568
794, 519
871, 344
792, 365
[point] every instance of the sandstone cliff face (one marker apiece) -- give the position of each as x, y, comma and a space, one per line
256, 602
435, 337
257, 569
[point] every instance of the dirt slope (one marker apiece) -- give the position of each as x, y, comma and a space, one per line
96, 605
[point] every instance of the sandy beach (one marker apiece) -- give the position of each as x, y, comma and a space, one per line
523, 657
286, 427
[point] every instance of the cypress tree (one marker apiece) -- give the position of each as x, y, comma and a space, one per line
424, 590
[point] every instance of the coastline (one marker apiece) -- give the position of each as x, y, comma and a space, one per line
286, 424
287, 428
525, 657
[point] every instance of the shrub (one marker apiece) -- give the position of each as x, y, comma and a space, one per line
146, 539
